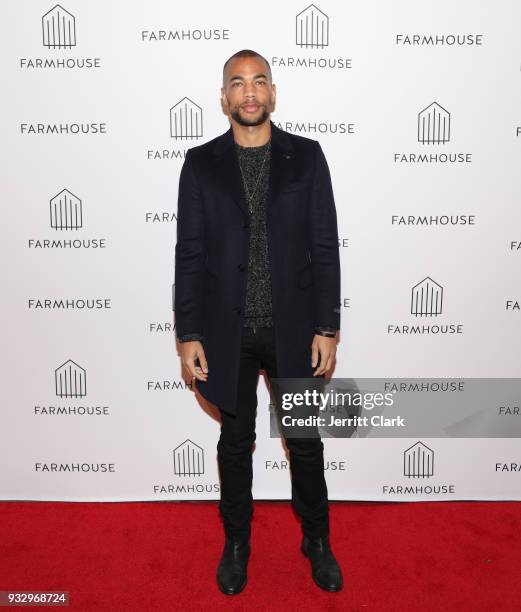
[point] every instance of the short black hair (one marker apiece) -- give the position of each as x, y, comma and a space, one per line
247, 53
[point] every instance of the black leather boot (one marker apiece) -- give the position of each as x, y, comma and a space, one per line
231, 572
324, 567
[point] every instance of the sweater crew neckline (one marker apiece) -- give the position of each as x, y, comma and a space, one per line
259, 148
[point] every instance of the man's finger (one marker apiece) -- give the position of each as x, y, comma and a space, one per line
314, 355
194, 371
323, 359
202, 361
326, 361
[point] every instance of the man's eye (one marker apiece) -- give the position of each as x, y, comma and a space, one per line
261, 82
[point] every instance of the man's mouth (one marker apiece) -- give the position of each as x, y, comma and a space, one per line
250, 108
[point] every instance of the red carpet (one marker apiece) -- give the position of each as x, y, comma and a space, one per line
163, 556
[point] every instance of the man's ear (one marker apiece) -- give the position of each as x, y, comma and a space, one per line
274, 94
224, 103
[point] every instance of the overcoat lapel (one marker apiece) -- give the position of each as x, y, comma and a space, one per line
229, 173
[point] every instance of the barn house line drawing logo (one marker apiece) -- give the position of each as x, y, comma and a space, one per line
188, 459
426, 298
434, 124
59, 29
70, 380
418, 461
312, 28
186, 120
66, 211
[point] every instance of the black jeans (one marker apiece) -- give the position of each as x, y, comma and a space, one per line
234, 449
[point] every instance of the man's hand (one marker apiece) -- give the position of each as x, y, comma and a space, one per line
190, 351
326, 348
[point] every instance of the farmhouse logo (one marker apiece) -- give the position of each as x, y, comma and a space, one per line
186, 120
434, 125
312, 33
278, 465
426, 298
70, 303
66, 211
316, 127
59, 33
418, 461
426, 301
185, 35
433, 220
188, 459
438, 40
59, 29
70, 380
312, 28
189, 463
186, 123
161, 216
418, 467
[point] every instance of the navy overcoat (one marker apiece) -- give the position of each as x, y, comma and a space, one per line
211, 256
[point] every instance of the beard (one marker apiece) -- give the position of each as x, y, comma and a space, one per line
241, 120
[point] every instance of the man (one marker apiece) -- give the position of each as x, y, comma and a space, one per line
257, 278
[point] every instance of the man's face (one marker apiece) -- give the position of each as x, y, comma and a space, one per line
247, 93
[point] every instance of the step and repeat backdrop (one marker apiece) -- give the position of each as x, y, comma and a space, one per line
417, 107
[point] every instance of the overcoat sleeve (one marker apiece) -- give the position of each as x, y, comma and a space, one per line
325, 257
190, 253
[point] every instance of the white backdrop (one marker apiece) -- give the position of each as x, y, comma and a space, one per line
87, 108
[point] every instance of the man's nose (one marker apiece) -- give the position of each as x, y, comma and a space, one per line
249, 89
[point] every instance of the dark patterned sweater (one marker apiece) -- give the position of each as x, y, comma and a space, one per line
254, 163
